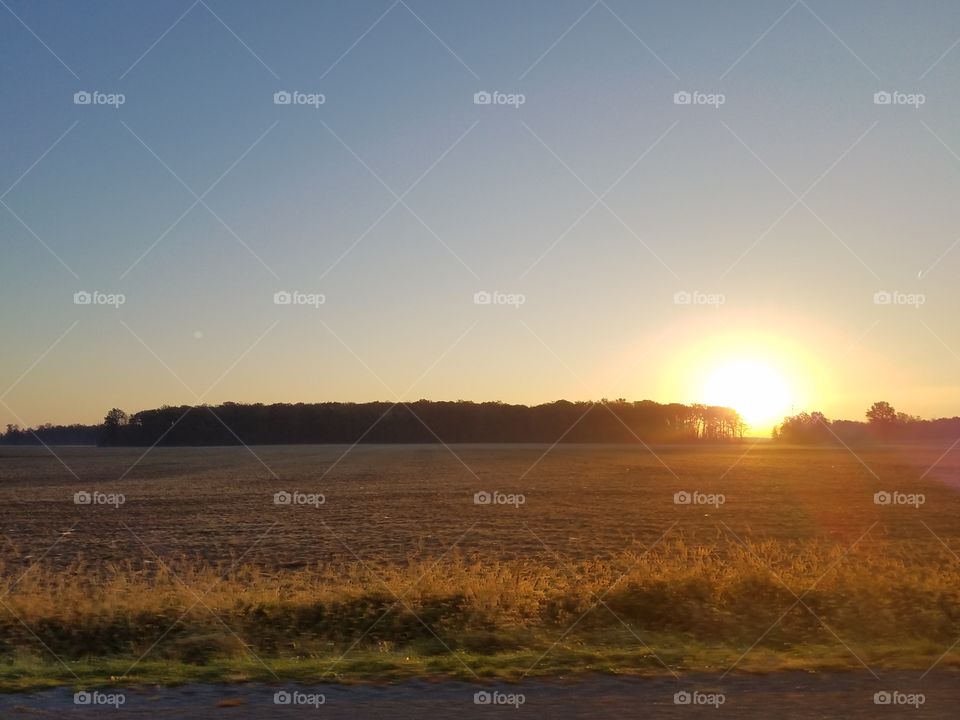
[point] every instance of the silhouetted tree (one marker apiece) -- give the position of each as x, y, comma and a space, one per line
882, 418
804, 428
113, 423
115, 418
881, 412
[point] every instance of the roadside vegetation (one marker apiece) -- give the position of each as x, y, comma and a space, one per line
679, 608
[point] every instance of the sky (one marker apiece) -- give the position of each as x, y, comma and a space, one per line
587, 233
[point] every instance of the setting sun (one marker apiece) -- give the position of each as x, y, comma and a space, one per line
750, 365
760, 393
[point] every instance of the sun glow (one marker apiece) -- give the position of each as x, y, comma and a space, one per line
755, 389
746, 362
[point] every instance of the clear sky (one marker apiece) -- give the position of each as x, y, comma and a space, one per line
781, 199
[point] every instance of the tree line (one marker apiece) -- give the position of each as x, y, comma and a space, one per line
423, 421
882, 423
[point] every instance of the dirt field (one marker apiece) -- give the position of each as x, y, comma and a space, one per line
386, 503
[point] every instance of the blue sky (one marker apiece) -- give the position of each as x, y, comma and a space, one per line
692, 198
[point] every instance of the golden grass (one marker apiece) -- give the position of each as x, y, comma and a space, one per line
683, 595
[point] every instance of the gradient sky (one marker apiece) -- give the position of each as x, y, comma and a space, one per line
694, 198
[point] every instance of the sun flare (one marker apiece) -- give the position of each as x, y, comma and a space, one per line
755, 389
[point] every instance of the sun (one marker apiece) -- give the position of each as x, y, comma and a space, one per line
755, 389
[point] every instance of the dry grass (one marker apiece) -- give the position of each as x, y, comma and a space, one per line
878, 596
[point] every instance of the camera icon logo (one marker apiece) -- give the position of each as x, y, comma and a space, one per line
482, 498
882, 98
682, 297
882, 697
82, 97
82, 498
882, 297
882, 498
482, 297
682, 498
482, 98
82, 698
282, 697
682, 697
282, 97
82, 298
482, 697
282, 298
682, 98
282, 498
